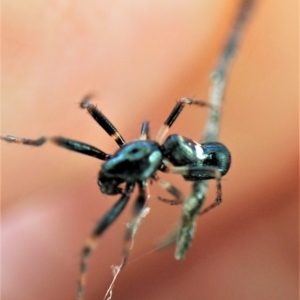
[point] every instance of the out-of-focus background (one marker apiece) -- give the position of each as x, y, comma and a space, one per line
138, 58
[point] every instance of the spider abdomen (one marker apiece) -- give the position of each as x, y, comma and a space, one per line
181, 151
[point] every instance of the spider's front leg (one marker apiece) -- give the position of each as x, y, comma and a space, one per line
101, 226
59, 141
145, 134
133, 225
102, 120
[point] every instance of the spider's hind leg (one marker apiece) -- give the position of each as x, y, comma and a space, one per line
205, 172
174, 115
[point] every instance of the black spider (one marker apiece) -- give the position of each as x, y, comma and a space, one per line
137, 162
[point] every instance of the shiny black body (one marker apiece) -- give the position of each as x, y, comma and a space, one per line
134, 162
137, 162
140, 160
181, 151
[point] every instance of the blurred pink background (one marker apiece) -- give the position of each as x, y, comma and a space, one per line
139, 58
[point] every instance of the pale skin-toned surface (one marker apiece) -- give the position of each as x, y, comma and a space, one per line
138, 59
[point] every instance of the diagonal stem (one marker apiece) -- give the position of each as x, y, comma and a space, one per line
219, 77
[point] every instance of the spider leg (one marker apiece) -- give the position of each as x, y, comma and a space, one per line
80, 147
62, 142
206, 172
179, 197
145, 131
133, 225
100, 118
101, 226
19, 140
208, 208
174, 115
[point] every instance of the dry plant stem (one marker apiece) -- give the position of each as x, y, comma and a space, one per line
193, 205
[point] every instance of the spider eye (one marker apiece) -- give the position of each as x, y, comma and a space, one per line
134, 151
